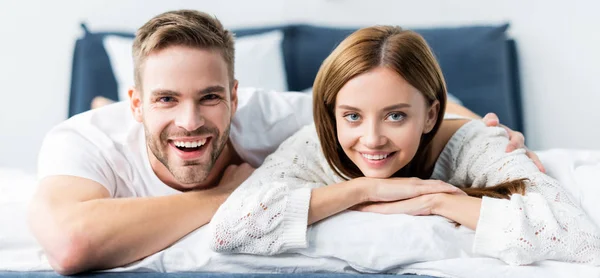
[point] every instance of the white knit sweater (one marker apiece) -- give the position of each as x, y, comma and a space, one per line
268, 213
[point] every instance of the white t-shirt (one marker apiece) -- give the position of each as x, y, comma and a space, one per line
108, 146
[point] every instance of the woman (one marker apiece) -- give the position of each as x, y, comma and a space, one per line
379, 144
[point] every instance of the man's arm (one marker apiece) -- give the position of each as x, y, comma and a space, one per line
517, 139
455, 108
99, 101
81, 228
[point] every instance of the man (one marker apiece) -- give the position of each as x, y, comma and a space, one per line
116, 188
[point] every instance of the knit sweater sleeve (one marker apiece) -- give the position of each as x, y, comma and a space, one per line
268, 213
544, 224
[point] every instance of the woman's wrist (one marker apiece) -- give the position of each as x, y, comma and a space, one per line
329, 200
459, 208
438, 203
362, 192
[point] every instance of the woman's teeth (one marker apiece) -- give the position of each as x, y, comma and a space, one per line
375, 157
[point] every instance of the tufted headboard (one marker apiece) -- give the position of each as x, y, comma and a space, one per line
479, 63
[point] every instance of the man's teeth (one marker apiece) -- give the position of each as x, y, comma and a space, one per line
375, 157
194, 144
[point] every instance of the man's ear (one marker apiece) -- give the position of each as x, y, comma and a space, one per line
135, 103
432, 116
234, 97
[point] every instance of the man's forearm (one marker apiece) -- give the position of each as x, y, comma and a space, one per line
126, 230
115, 232
454, 108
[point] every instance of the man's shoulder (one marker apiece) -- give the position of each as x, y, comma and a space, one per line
111, 122
98, 145
104, 132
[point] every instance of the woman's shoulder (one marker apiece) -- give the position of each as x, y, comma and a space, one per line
304, 148
454, 138
447, 130
454, 134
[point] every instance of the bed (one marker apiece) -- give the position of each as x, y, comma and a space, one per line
479, 63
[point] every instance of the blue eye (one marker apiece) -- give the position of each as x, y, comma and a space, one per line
352, 117
211, 99
396, 116
165, 99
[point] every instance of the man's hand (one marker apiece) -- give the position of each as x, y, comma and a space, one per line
98, 102
517, 140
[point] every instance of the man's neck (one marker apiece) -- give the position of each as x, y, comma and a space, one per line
227, 157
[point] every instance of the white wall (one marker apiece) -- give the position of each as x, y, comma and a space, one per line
558, 44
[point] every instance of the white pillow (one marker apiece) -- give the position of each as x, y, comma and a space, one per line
121, 60
19, 251
258, 61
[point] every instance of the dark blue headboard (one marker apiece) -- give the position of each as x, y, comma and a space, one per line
480, 65
92, 74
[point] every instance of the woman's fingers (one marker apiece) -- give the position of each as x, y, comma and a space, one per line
414, 206
395, 189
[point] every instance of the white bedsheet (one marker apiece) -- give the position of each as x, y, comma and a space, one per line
18, 249
349, 242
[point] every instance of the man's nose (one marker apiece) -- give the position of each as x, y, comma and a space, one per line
189, 118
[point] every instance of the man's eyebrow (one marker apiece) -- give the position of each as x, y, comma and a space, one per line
164, 93
171, 93
212, 89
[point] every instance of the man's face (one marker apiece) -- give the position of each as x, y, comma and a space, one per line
186, 107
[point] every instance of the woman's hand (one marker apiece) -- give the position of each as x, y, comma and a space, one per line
459, 208
329, 200
396, 189
421, 205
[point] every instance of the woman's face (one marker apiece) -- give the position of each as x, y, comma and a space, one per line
380, 118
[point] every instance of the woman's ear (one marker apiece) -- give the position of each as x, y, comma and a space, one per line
432, 116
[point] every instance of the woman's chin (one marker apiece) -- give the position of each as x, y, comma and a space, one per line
377, 174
